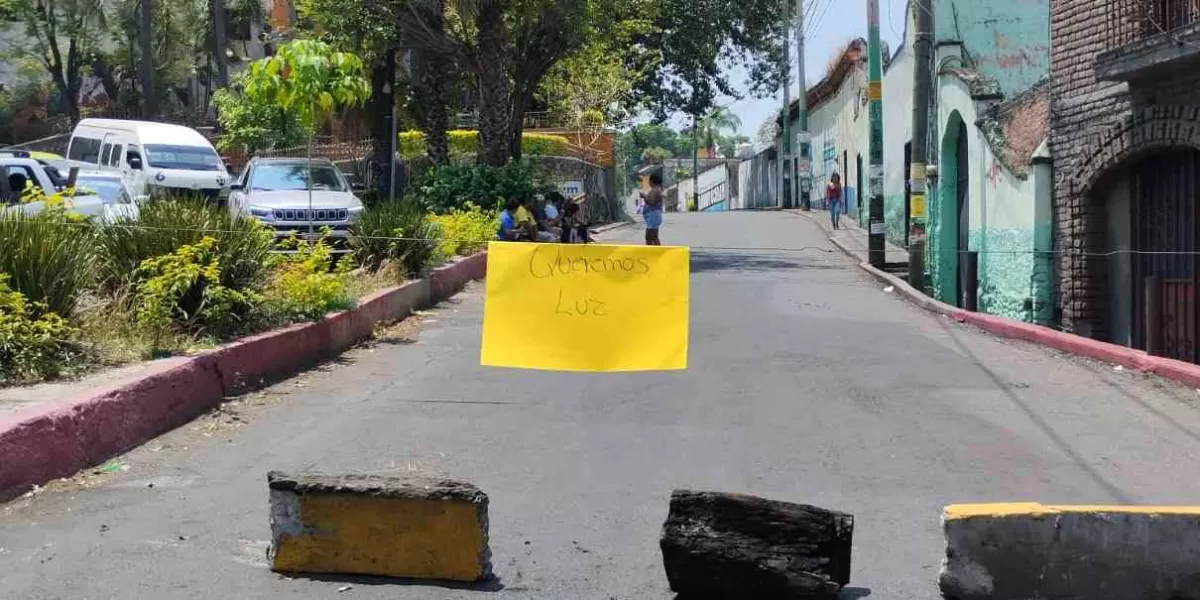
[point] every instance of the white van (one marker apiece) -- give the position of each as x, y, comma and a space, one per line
149, 155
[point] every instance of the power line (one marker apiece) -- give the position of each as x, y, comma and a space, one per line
797, 249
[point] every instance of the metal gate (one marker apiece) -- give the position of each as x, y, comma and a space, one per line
1165, 190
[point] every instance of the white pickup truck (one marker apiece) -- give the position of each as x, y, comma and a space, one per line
19, 173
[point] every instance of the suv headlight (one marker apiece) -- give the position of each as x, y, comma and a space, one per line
264, 214
354, 213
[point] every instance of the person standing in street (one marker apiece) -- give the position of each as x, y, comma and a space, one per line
833, 199
652, 210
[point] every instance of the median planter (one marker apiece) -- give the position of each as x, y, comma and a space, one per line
60, 438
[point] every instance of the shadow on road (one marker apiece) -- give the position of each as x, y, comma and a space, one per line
488, 585
849, 593
738, 260
1118, 495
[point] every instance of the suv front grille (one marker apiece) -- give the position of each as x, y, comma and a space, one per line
316, 214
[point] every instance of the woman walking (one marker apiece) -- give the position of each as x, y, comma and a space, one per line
652, 210
833, 199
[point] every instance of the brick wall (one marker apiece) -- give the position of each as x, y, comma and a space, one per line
1080, 107
1095, 126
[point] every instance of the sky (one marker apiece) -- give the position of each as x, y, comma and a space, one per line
831, 24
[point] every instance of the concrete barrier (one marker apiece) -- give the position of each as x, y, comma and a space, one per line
384, 526
1032, 551
58, 439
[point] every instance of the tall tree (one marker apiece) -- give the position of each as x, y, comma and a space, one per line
544, 32
694, 45
62, 35
308, 78
475, 37
714, 124
368, 29
430, 84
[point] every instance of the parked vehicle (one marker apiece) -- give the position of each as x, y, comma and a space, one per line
23, 172
119, 201
276, 192
102, 196
149, 155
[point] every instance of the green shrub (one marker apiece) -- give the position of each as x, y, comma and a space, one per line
411, 145
34, 343
448, 187
243, 245
465, 231
182, 291
463, 142
305, 287
48, 258
544, 144
250, 125
373, 237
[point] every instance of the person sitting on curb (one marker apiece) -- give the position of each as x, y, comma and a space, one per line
551, 216
509, 231
574, 229
528, 224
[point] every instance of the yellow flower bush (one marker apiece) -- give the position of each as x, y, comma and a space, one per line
465, 230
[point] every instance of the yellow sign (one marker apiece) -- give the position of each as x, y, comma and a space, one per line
917, 206
585, 307
875, 90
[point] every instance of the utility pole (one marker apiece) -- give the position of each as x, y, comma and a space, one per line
146, 41
877, 235
785, 128
695, 165
922, 90
220, 44
804, 177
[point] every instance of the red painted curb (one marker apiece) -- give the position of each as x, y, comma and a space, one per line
56, 440
1182, 372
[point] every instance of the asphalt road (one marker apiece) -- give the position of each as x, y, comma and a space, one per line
807, 383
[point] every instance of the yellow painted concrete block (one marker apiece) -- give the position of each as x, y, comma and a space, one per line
384, 526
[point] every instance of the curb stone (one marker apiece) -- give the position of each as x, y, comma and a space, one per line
1181, 372
58, 439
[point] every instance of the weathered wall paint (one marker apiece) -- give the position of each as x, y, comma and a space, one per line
757, 178
897, 131
1000, 219
840, 131
1008, 41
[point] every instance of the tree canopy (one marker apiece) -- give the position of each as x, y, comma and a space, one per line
695, 45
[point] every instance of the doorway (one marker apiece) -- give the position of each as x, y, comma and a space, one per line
863, 201
907, 191
962, 204
1165, 189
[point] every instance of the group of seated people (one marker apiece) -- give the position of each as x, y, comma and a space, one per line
543, 219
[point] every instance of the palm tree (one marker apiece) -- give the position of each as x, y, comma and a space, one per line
716, 122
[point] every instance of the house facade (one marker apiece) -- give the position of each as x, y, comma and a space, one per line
838, 127
1125, 135
992, 191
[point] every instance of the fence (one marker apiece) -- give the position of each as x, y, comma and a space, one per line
1132, 21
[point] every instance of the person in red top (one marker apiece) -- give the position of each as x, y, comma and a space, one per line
833, 199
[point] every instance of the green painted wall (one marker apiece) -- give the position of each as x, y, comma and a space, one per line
1005, 272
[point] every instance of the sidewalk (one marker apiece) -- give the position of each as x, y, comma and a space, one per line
850, 238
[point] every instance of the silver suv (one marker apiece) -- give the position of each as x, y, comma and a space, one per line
277, 191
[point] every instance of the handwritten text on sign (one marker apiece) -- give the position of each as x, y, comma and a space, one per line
586, 307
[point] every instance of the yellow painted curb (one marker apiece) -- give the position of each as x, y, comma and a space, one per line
1037, 510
